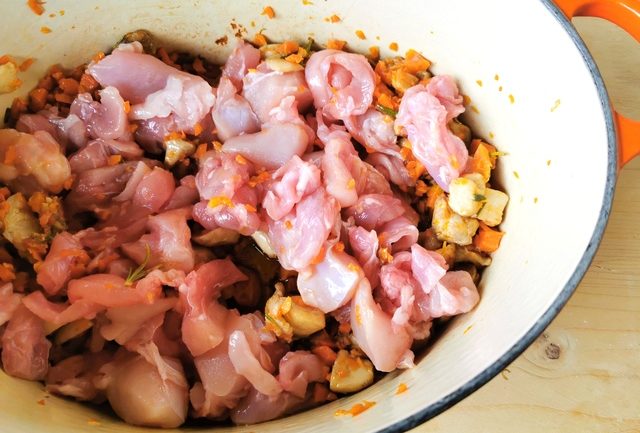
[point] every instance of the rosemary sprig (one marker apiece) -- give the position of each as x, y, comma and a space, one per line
141, 271
386, 110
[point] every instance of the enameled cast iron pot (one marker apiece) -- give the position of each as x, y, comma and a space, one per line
542, 101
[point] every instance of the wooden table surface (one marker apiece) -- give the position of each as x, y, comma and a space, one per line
583, 374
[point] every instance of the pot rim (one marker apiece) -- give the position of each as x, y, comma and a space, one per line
541, 324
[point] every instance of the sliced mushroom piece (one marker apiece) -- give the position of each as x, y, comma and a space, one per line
216, 237
350, 373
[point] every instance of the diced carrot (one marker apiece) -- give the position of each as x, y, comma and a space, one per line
334, 19
482, 162
7, 272
18, 106
45, 30
115, 159
319, 257
260, 40
393, 46
415, 169
64, 98
198, 66
69, 86
432, 195
487, 239
35, 6
87, 84
197, 129
133, 127
127, 107
98, 56
164, 56
201, 150
269, 12
295, 58
360, 34
325, 353
47, 83
490, 148
76, 73
383, 70
37, 99
336, 44
387, 101
415, 62
26, 64
287, 47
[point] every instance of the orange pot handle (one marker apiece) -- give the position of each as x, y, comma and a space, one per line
626, 14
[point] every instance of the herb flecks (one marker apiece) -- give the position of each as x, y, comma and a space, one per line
479, 197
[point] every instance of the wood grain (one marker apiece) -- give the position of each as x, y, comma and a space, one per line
583, 374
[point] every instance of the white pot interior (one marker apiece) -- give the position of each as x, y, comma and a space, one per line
560, 156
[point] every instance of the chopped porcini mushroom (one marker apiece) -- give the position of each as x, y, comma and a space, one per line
463, 254
288, 316
21, 227
448, 252
177, 149
9, 77
304, 320
216, 237
262, 240
491, 212
274, 310
72, 330
460, 130
467, 194
350, 373
450, 226
144, 37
